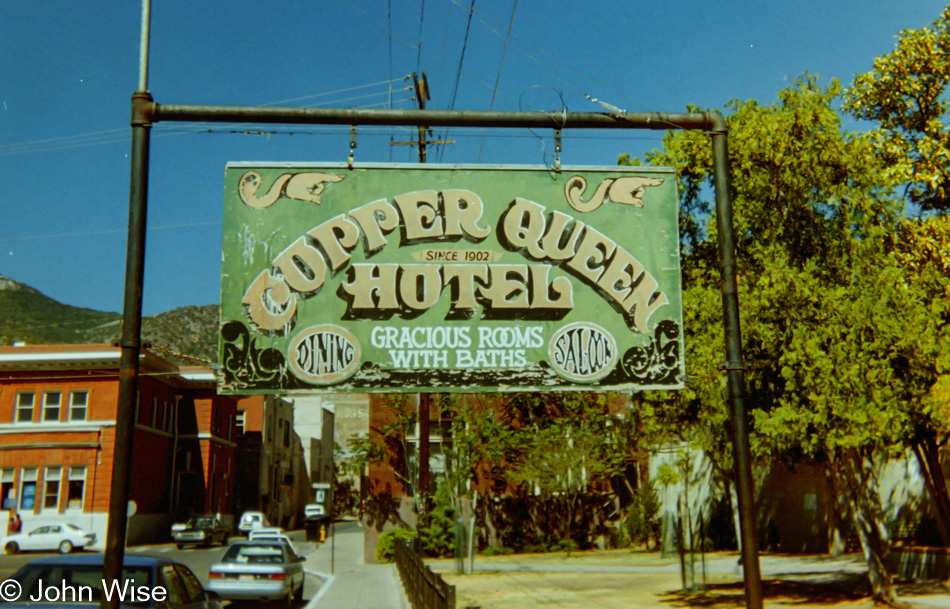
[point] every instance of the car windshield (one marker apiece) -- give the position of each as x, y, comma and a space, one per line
255, 554
72, 528
202, 522
58, 584
251, 518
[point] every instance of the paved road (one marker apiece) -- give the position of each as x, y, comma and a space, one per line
198, 559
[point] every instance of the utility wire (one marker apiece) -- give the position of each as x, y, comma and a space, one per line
121, 135
458, 75
437, 58
573, 86
422, 17
389, 19
504, 50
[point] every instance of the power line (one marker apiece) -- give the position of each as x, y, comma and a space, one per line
106, 232
389, 19
485, 21
440, 58
122, 135
422, 16
504, 50
458, 75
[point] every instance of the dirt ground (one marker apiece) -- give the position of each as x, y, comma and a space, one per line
592, 580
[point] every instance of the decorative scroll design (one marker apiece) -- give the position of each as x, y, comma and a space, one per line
657, 363
299, 186
244, 364
627, 190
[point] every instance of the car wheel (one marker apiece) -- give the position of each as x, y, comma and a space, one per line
224, 540
65, 547
298, 593
179, 545
11, 548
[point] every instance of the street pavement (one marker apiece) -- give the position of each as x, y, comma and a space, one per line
347, 582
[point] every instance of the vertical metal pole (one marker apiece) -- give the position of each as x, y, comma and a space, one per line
143, 45
735, 369
131, 340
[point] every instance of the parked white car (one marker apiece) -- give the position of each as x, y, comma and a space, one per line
265, 531
251, 521
270, 536
59, 536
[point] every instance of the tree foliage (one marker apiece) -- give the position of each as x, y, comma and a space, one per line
906, 93
839, 337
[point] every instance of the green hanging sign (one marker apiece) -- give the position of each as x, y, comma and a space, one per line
449, 278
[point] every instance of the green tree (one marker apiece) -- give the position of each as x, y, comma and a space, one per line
812, 204
906, 93
568, 452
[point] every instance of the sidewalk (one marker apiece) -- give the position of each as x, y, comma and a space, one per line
623, 580
348, 583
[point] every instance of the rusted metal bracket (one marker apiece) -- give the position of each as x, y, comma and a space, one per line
349, 159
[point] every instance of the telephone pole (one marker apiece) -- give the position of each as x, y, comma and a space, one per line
422, 94
421, 86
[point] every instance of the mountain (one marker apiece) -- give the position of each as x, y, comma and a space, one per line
188, 335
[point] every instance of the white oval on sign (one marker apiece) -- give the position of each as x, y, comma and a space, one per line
324, 354
582, 352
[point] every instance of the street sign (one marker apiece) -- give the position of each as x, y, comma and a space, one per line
449, 278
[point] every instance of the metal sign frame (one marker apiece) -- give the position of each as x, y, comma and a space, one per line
145, 112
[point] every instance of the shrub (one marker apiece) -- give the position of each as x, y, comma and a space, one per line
499, 551
386, 546
438, 539
641, 526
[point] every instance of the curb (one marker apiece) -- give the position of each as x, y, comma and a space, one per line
327, 582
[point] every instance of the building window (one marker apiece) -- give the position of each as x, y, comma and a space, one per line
51, 480
7, 488
24, 407
239, 422
154, 413
286, 433
166, 411
76, 489
27, 489
52, 400
78, 402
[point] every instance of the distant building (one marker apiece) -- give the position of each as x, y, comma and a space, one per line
57, 430
326, 423
279, 487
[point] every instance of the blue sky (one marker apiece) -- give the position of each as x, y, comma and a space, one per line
69, 68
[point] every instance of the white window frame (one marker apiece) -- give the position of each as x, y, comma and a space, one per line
73, 407
76, 473
52, 474
8, 476
28, 475
47, 408
21, 409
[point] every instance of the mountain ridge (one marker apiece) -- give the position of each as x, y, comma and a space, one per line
186, 335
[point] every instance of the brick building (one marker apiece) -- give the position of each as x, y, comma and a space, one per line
274, 476
57, 429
